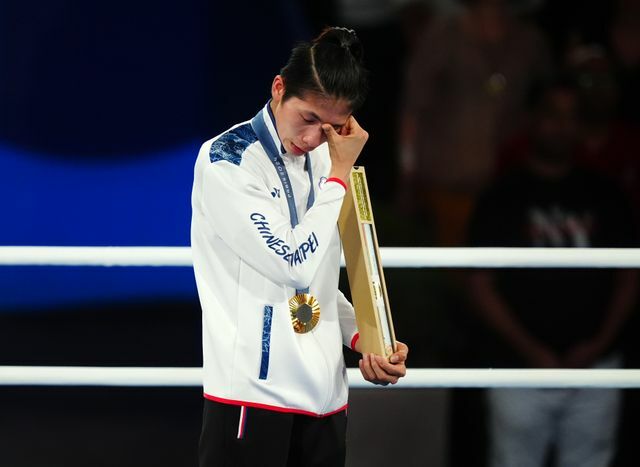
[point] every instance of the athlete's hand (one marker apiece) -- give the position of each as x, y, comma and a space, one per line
344, 147
378, 370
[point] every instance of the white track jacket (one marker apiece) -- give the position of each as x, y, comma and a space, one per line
248, 263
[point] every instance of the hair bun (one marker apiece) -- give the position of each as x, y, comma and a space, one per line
341, 37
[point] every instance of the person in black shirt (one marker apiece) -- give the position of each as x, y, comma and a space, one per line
557, 318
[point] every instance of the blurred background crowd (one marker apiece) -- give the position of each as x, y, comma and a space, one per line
492, 123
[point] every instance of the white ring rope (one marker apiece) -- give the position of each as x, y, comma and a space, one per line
416, 378
94, 256
392, 257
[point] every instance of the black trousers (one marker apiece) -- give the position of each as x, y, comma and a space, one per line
234, 436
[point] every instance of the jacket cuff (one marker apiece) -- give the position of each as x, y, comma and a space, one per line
355, 338
337, 180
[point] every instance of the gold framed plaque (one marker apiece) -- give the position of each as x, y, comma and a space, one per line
364, 268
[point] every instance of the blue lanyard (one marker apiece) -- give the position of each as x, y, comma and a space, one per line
260, 127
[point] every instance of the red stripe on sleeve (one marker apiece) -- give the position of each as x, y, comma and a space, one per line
337, 180
354, 340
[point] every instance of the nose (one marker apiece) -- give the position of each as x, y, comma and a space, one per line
314, 137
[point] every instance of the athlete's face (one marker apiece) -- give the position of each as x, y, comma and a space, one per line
299, 120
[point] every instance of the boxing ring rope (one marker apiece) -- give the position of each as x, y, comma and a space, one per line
416, 377
391, 258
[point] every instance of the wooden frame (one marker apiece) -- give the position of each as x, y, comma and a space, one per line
364, 268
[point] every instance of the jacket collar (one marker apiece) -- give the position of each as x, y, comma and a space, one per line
270, 121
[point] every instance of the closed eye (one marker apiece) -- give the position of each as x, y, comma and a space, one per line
308, 120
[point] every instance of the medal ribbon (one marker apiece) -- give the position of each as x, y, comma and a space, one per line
264, 136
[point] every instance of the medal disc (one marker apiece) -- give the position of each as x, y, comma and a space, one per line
305, 312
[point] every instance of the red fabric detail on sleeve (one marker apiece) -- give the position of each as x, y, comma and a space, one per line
337, 180
354, 340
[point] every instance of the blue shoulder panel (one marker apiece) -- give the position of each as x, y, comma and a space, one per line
230, 146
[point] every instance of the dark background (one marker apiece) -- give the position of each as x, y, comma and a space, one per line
103, 107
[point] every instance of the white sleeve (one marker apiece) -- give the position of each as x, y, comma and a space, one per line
248, 219
347, 317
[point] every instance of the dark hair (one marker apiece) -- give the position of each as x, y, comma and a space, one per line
330, 65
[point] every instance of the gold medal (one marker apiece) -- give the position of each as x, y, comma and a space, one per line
305, 312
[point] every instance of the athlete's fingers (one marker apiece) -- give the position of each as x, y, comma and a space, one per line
347, 129
330, 132
368, 373
381, 373
353, 125
396, 370
402, 351
365, 368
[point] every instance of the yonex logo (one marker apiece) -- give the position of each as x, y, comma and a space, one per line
275, 193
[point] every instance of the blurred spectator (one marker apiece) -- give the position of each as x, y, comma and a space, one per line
415, 15
625, 44
608, 144
553, 318
379, 27
570, 22
465, 89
